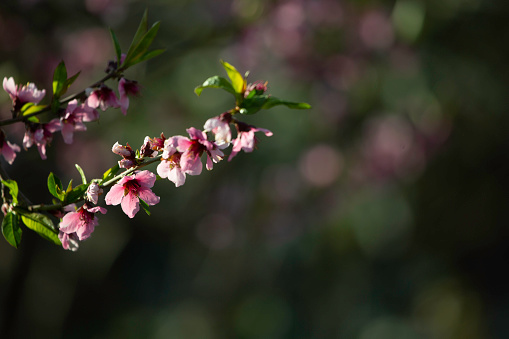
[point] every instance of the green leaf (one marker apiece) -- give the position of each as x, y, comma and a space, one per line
55, 105
118, 50
151, 54
69, 187
55, 187
59, 79
238, 82
42, 225
69, 82
13, 189
253, 104
215, 82
11, 230
144, 206
109, 174
272, 101
76, 194
83, 177
142, 29
135, 54
33, 109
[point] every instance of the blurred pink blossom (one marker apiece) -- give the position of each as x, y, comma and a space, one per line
21, 95
376, 30
72, 121
40, 135
8, 149
127, 88
103, 97
69, 241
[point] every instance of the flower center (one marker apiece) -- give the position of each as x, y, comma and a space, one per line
86, 216
131, 186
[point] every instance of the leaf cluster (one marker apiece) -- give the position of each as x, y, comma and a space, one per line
237, 85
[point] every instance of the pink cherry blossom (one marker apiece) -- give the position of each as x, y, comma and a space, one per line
72, 120
69, 241
169, 167
103, 97
7, 149
40, 135
246, 139
192, 150
85, 112
130, 189
20, 95
82, 222
126, 88
220, 126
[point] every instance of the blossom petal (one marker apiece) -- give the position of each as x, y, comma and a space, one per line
177, 176
8, 151
10, 87
148, 196
130, 205
145, 178
70, 222
115, 195
67, 132
195, 133
163, 169
191, 163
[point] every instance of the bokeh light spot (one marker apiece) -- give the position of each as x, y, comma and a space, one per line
321, 165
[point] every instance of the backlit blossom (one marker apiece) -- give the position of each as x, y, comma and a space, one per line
169, 167
72, 121
130, 189
40, 135
192, 150
103, 97
129, 156
125, 89
147, 150
69, 241
20, 95
7, 149
246, 139
82, 222
93, 192
220, 126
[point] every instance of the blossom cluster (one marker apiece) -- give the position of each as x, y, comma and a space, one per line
178, 155
71, 119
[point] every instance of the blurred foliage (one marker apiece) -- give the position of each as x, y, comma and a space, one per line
380, 213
